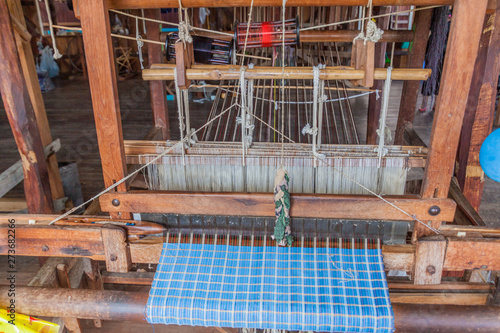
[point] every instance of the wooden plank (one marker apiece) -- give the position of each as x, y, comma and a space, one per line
464, 205
399, 257
46, 275
416, 59
136, 4
30, 75
442, 287
440, 298
135, 278
55, 241
158, 89
14, 174
374, 103
262, 204
115, 248
476, 253
62, 276
479, 114
12, 204
429, 258
22, 120
463, 42
103, 87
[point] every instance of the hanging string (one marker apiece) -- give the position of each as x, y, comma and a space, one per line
39, 15
180, 100
57, 55
140, 42
184, 26
383, 131
373, 33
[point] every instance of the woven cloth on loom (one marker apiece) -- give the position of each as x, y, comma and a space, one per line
323, 286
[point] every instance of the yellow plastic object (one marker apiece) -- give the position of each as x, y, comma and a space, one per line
24, 324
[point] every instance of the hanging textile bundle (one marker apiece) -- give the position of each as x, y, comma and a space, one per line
267, 34
282, 231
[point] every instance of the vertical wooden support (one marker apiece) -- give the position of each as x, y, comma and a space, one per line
480, 111
416, 59
158, 89
463, 42
22, 120
374, 104
103, 88
184, 58
35, 93
363, 57
94, 281
116, 249
429, 259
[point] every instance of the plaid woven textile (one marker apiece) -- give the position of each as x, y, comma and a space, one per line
301, 288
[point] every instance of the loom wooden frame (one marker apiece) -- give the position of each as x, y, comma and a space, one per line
460, 248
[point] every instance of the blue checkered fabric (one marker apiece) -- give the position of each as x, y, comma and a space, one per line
291, 288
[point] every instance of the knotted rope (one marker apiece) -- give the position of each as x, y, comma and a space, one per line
184, 26
318, 87
373, 33
140, 42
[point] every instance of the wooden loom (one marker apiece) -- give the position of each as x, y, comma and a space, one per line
458, 248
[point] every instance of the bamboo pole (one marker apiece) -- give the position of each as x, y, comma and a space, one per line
229, 72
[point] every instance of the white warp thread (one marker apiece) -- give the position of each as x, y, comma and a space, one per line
383, 129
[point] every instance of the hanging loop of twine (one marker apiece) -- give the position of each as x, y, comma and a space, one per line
140, 42
184, 26
372, 33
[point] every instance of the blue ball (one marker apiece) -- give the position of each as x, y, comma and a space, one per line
489, 155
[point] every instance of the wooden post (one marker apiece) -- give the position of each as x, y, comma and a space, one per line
429, 259
416, 59
35, 93
114, 240
480, 111
103, 88
463, 42
22, 120
374, 104
158, 89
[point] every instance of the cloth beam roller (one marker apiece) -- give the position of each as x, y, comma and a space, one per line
322, 285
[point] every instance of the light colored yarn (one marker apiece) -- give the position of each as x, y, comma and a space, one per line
373, 33
57, 55
140, 42
383, 131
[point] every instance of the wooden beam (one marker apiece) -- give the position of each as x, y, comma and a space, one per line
480, 112
229, 72
103, 88
15, 174
262, 204
440, 298
134, 4
22, 120
464, 205
157, 89
416, 59
476, 253
116, 249
30, 75
463, 42
429, 259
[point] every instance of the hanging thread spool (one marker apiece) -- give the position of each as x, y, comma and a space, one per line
207, 50
267, 34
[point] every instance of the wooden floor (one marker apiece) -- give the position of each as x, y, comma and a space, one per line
70, 115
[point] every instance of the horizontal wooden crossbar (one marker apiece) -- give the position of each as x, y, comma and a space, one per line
262, 204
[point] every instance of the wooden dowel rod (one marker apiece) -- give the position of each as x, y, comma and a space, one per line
292, 73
